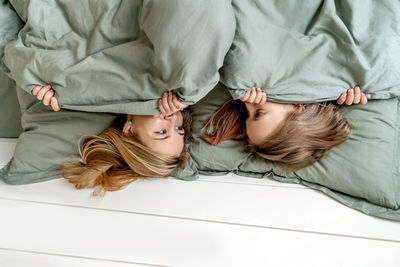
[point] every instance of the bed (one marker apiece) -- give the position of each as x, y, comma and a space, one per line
224, 216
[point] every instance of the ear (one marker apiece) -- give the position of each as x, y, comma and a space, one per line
127, 130
298, 108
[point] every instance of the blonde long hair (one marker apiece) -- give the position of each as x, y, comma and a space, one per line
301, 140
112, 160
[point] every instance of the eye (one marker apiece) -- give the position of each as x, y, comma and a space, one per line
179, 128
259, 113
161, 131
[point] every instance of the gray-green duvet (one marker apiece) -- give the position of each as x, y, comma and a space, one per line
113, 56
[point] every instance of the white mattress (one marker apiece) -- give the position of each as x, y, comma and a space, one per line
215, 221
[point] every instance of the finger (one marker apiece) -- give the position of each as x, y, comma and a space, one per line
350, 97
36, 89
342, 98
264, 98
170, 102
164, 102
42, 92
47, 97
364, 99
54, 104
252, 96
175, 103
357, 95
178, 105
161, 106
245, 96
258, 96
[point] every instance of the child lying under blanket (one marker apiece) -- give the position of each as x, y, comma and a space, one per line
292, 136
141, 146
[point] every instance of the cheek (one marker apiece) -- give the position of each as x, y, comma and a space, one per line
252, 139
251, 133
257, 133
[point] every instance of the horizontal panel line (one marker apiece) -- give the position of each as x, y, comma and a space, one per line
208, 221
79, 257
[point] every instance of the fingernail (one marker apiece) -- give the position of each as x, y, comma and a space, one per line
350, 91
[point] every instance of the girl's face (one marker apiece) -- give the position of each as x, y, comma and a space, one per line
162, 134
265, 119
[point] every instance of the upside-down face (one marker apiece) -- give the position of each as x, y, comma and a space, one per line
162, 134
264, 119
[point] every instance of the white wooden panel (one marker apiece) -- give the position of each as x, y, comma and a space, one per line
7, 147
10, 258
264, 206
167, 241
